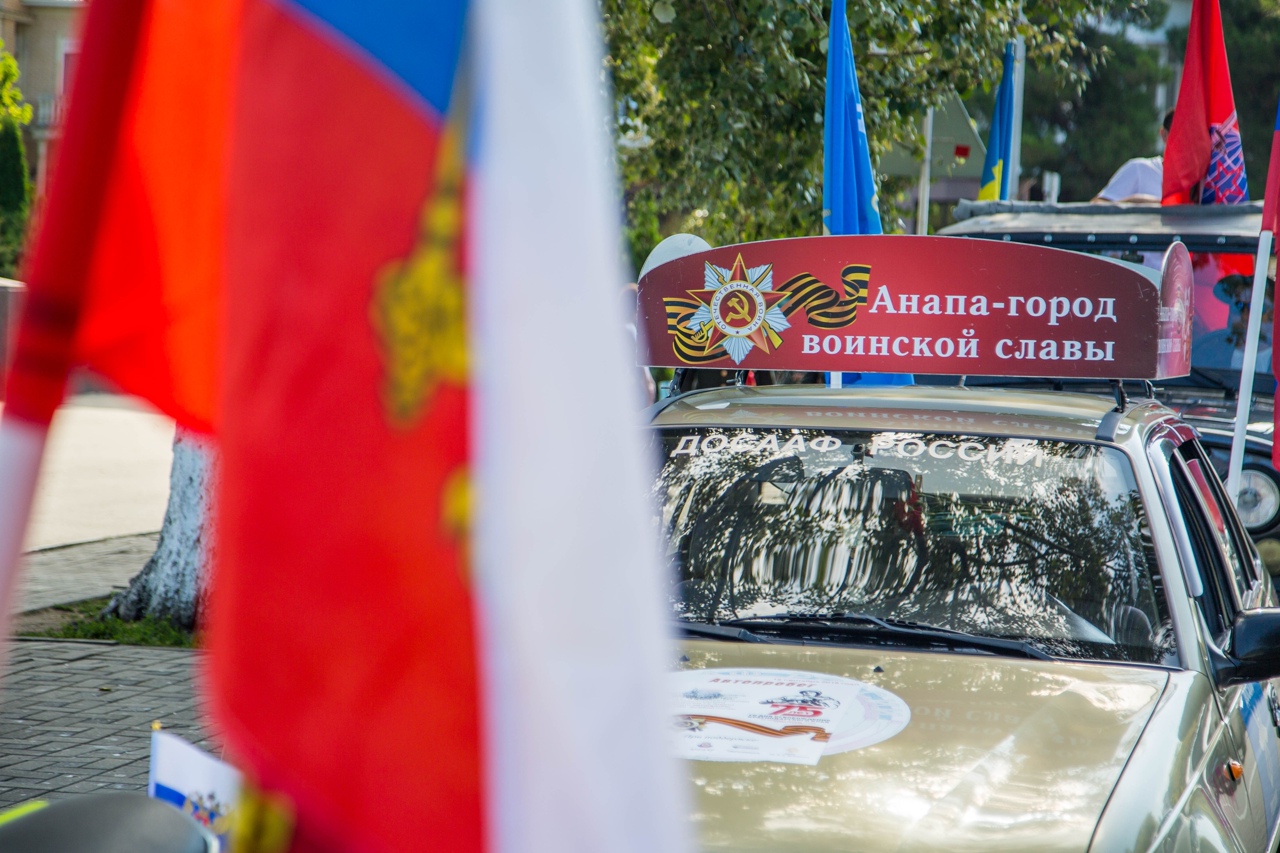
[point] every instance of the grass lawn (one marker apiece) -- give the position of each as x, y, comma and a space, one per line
82, 621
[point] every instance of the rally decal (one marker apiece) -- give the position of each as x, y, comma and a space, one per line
738, 310
778, 715
827, 307
696, 723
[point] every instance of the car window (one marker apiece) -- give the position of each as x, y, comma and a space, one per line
1042, 541
1238, 563
1222, 285
1217, 604
1242, 545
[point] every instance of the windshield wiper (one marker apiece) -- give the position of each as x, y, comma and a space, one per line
719, 632
863, 625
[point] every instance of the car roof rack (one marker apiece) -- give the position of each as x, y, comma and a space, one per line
1111, 420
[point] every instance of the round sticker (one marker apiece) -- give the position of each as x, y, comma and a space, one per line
788, 716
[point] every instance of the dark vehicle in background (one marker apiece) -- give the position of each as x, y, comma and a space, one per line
1223, 241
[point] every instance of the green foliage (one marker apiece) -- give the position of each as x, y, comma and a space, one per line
12, 107
15, 183
1087, 132
720, 102
85, 622
1251, 31
13, 235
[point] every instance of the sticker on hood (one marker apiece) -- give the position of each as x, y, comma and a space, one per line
779, 715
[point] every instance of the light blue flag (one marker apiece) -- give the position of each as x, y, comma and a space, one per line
849, 203
995, 169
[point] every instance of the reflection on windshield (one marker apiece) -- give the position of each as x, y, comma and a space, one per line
1043, 541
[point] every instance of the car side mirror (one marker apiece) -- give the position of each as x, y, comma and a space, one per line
1254, 650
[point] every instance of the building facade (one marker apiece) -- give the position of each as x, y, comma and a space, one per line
43, 35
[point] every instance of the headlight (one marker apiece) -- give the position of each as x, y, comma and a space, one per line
1259, 499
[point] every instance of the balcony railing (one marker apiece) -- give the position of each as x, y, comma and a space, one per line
48, 111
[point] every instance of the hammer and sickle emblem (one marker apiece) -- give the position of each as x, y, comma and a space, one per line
741, 308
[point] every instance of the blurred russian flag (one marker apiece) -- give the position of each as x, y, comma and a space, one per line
359, 243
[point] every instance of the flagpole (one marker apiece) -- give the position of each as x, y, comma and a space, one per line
1014, 166
1261, 263
57, 266
1244, 401
922, 193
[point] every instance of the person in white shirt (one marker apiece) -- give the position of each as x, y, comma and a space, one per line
1138, 180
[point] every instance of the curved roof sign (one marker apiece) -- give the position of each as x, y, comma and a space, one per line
930, 305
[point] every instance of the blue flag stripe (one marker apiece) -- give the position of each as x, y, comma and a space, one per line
418, 42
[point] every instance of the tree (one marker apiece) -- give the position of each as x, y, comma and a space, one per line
719, 103
15, 183
171, 585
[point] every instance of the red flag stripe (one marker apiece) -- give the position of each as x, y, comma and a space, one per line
1271, 201
58, 268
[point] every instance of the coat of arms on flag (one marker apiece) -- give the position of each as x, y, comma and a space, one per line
194, 781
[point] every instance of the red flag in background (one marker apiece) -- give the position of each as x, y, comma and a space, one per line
1203, 157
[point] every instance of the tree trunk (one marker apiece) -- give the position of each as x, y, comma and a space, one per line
171, 585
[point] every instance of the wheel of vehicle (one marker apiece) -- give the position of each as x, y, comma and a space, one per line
1259, 503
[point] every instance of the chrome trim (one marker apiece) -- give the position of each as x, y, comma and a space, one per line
1169, 497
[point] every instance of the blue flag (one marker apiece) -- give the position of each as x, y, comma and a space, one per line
995, 169
849, 204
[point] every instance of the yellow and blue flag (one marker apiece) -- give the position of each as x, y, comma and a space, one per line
995, 170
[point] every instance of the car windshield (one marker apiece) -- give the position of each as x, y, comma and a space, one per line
1041, 541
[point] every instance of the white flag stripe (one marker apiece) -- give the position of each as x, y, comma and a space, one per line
21, 448
184, 767
570, 592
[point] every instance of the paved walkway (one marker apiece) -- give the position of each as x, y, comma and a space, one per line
75, 717
105, 473
76, 572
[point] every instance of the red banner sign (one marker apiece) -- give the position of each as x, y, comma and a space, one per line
930, 305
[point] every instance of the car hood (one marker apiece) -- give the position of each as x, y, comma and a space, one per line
998, 754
